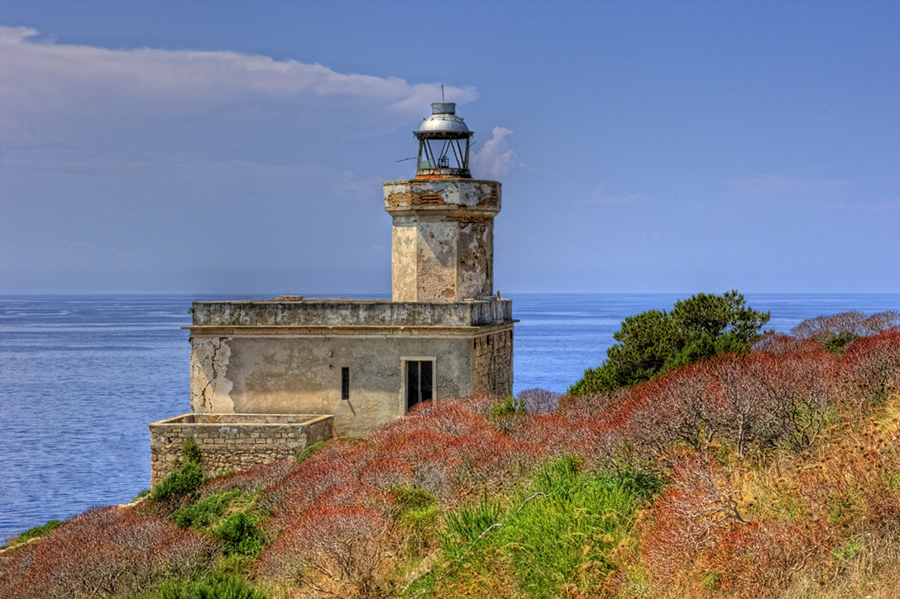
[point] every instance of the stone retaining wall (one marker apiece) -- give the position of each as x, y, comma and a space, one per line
233, 441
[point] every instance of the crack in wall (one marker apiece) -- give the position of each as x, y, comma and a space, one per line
210, 387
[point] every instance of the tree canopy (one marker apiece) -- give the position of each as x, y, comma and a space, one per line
655, 341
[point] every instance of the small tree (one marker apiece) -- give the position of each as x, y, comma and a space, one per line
838, 330
655, 342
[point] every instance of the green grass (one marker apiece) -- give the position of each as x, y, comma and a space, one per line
309, 451
563, 529
34, 533
215, 586
417, 509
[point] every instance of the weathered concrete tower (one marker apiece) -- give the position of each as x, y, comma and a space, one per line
443, 229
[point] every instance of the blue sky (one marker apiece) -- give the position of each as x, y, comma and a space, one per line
236, 147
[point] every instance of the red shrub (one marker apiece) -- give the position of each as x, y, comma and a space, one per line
387, 473
739, 405
854, 323
674, 407
552, 433
821, 328
445, 419
490, 460
336, 463
759, 559
854, 484
870, 369
697, 510
883, 321
298, 491
478, 404
584, 406
106, 551
799, 387
258, 477
779, 343
417, 445
333, 551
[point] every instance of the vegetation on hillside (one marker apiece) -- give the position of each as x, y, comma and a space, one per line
773, 472
655, 342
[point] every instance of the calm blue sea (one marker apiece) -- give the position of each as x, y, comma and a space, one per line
82, 376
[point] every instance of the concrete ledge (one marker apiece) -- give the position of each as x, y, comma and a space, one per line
353, 331
233, 441
348, 312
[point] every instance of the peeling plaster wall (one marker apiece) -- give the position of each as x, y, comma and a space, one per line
404, 271
210, 388
274, 374
435, 256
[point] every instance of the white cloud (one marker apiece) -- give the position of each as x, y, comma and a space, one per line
495, 158
601, 197
44, 79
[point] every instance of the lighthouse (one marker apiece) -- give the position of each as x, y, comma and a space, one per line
442, 242
270, 376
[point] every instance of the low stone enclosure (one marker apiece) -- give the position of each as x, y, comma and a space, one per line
233, 441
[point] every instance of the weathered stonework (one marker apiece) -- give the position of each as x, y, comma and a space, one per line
307, 313
233, 441
493, 363
443, 238
445, 193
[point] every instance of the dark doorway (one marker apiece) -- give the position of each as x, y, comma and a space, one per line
419, 381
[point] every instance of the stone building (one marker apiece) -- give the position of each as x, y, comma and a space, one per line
443, 334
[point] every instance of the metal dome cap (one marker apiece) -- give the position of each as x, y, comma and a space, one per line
443, 123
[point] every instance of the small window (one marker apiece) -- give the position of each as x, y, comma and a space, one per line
345, 382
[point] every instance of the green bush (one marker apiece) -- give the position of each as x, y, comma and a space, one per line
568, 525
655, 342
838, 341
206, 511
416, 508
190, 450
510, 405
412, 497
241, 535
215, 586
184, 481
